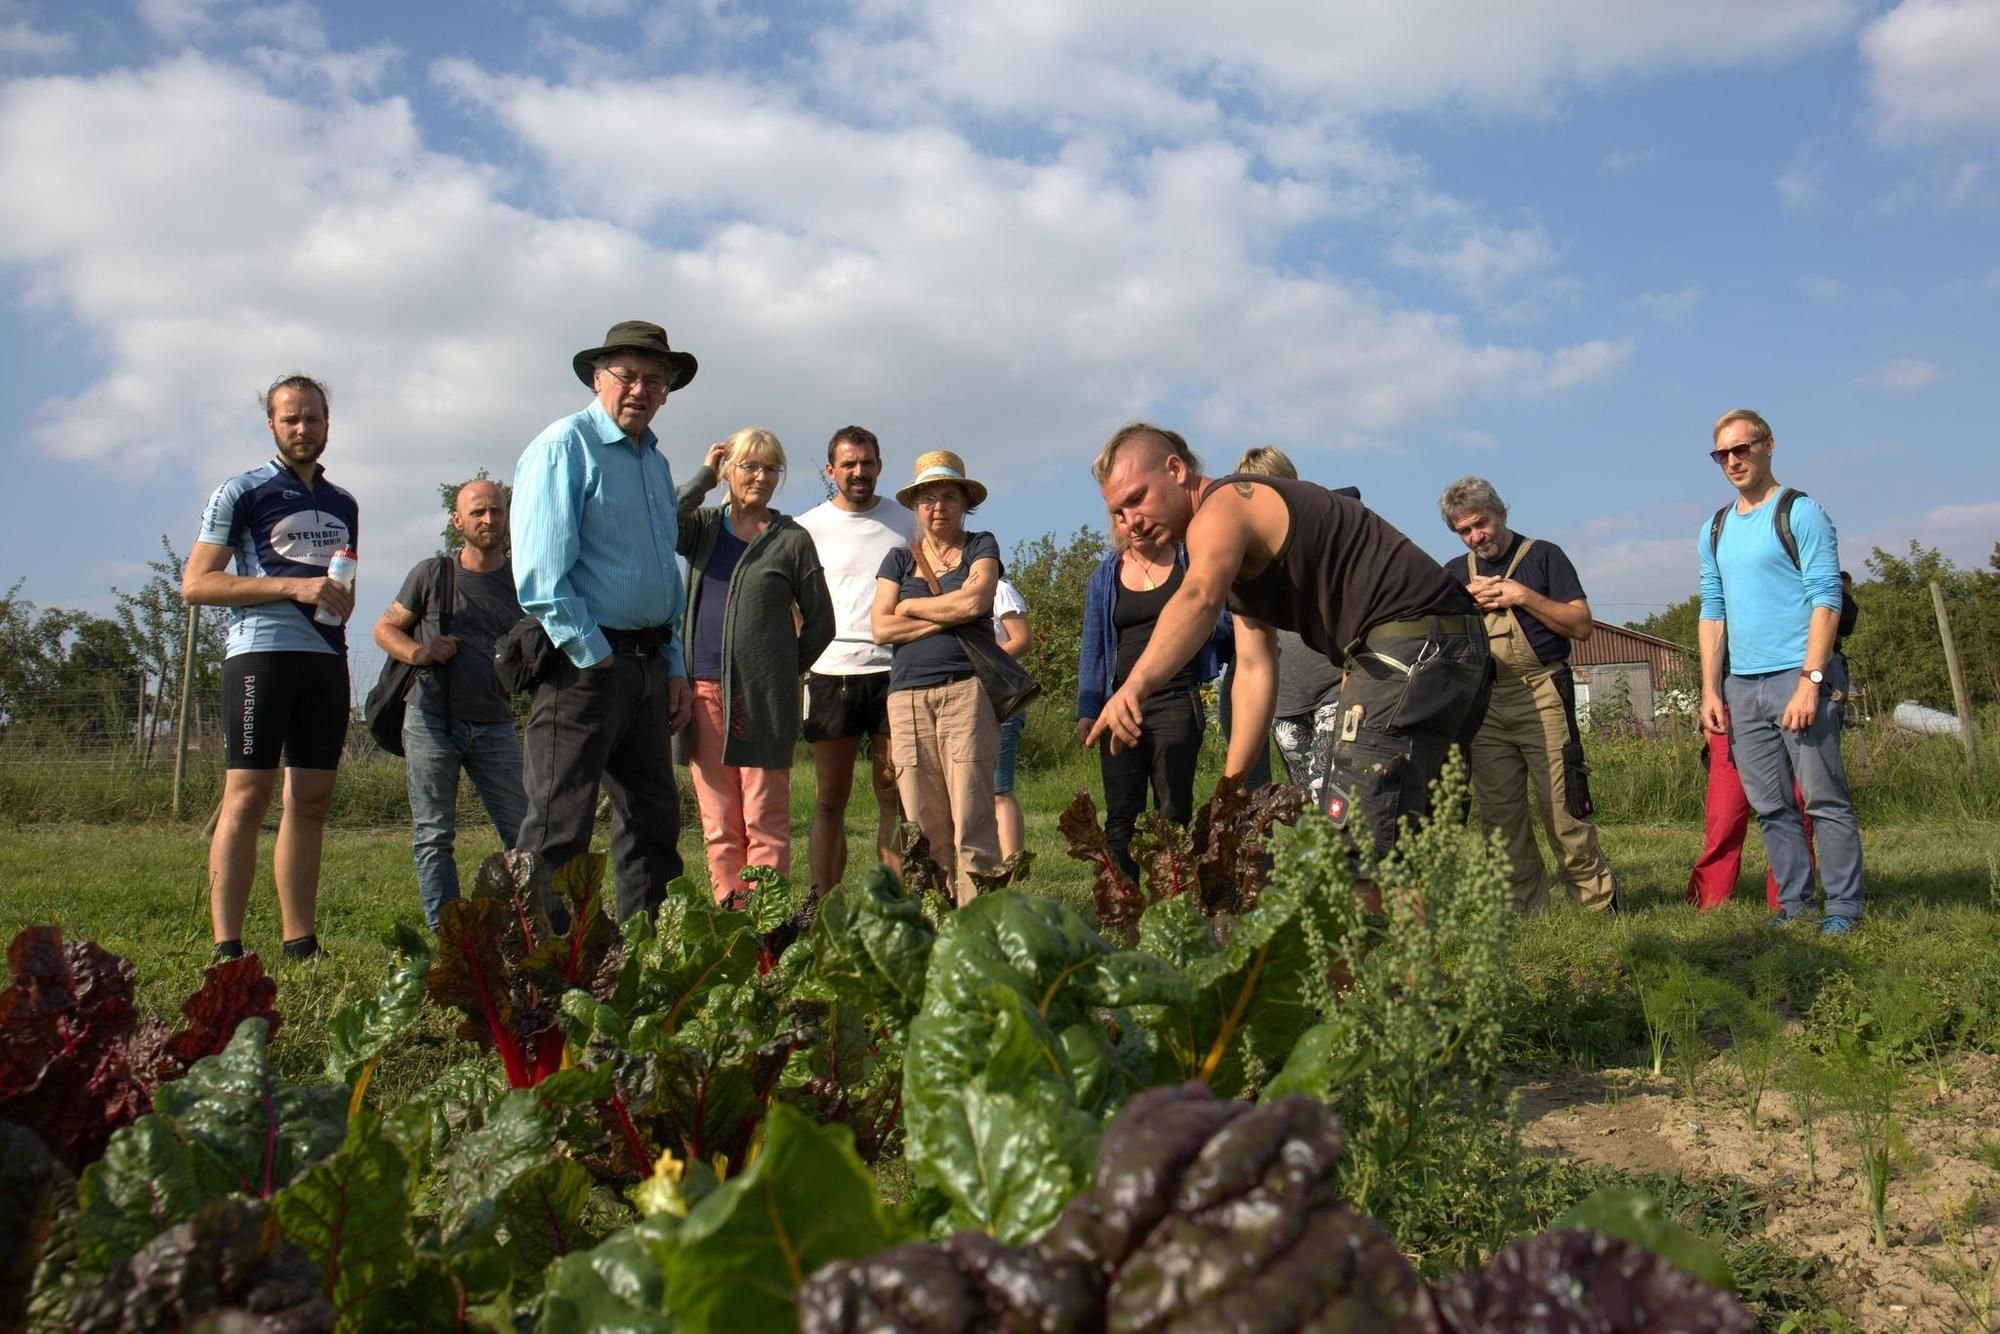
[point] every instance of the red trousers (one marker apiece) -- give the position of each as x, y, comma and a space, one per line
1725, 820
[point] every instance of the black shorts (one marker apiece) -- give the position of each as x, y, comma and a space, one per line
289, 704
841, 708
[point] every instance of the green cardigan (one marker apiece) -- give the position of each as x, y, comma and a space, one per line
763, 658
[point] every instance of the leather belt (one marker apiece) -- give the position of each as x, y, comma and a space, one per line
639, 643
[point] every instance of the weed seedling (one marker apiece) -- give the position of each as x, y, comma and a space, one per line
1864, 1088
1805, 1078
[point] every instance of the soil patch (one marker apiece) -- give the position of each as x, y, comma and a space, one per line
1944, 1197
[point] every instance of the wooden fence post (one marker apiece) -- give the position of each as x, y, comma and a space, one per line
181, 723
1958, 696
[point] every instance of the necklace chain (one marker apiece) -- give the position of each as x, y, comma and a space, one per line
937, 550
1146, 569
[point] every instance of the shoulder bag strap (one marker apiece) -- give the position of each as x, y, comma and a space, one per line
1519, 552
924, 565
448, 586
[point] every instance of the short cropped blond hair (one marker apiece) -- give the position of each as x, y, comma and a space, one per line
1741, 415
1267, 461
1171, 444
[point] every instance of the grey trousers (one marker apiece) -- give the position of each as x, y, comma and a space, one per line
608, 725
1770, 759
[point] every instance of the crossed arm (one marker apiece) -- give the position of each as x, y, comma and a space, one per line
899, 620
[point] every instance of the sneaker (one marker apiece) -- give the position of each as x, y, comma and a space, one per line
1837, 926
1778, 921
225, 951
304, 949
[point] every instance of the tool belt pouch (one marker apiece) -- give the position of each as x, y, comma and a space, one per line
1576, 781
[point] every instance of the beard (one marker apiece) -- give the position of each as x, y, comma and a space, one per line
305, 451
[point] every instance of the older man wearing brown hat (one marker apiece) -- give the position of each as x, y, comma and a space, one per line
594, 534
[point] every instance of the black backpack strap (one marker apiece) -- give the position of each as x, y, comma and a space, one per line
1715, 532
1782, 521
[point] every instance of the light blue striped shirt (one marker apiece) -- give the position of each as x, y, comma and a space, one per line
594, 527
1769, 603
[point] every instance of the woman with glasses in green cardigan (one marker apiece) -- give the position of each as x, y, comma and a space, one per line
758, 615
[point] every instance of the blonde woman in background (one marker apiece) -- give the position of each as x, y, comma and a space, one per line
758, 615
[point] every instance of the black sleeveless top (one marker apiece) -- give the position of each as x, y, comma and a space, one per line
1134, 613
1343, 569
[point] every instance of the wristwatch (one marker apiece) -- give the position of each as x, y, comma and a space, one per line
1814, 675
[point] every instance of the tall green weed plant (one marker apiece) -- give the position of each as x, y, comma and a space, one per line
1417, 994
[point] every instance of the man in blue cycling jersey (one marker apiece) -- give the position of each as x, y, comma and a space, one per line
284, 673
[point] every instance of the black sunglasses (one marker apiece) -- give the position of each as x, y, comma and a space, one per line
1742, 451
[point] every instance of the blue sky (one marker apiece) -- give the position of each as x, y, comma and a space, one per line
1404, 239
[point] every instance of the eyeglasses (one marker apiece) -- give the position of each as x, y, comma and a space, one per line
939, 499
1738, 452
655, 384
756, 469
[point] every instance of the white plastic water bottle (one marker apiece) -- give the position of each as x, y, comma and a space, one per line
341, 571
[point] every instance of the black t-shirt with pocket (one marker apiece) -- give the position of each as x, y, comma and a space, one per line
484, 607
935, 659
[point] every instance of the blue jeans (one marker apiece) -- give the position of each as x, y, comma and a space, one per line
435, 750
1010, 753
1770, 759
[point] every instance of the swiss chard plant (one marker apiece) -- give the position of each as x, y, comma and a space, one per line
76, 1061
1219, 861
502, 964
1208, 1214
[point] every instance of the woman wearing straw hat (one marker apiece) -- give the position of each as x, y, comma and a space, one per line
758, 614
943, 738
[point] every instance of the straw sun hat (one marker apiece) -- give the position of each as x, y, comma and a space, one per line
941, 465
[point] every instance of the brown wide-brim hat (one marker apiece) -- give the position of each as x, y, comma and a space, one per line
941, 465
638, 336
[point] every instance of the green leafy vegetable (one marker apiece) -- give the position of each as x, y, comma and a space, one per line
350, 1215
1000, 1113
805, 1200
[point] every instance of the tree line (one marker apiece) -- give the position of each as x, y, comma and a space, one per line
72, 678
1894, 653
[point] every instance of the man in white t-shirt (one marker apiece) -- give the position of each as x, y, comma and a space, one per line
847, 689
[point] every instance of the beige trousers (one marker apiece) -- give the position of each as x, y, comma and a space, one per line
942, 743
1519, 747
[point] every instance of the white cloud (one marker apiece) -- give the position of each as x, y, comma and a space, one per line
1802, 183
1482, 263
1822, 289
823, 273
1964, 182
1979, 518
595, 9
176, 20
1931, 69
21, 39
1904, 375
1624, 159
1012, 56
1672, 307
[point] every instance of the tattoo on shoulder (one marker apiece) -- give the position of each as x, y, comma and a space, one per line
1244, 489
